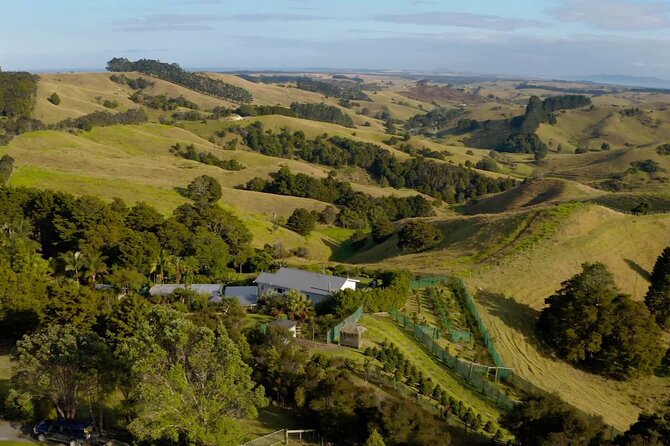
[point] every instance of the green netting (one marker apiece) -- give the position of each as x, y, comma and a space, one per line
425, 282
459, 286
443, 314
334, 332
474, 374
477, 375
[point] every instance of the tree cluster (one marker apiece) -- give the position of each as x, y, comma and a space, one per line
434, 121
335, 88
190, 153
391, 294
175, 74
18, 91
323, 393
162, 101
547, 421
523, 138
358, 209
439, 180
136, 84
102, 119
322, 112
418, 235
590, 323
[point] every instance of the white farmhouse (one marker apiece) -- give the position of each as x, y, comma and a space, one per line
314, 285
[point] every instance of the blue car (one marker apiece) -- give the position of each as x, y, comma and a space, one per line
70, 432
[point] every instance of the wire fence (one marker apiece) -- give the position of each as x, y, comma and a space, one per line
334, 332
477, 375
425, 282
278, 437
475, 372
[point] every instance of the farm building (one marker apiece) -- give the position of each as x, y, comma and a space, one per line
246, 295
285, 324
351, 335
314, 285
209, 289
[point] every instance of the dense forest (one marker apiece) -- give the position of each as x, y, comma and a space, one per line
322, 112
523, 138
440, 180
315, 112
162, 101
174, 73
434, 121
18, 91
359, 210
336, 89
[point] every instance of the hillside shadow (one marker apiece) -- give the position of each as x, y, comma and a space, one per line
646, 275
519, 317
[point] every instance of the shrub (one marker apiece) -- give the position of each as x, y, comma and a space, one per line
418, 236
54, 99
301, 221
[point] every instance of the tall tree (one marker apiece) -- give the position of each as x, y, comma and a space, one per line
301, 221
375, 439
193, 384
59, 363
658, 295
548, 421
588, 322
94, 265
418, 236
204, 190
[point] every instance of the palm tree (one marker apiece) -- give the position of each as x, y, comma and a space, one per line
72, 262
94, 264
298, 305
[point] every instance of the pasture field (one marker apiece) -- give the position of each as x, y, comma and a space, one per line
524, 261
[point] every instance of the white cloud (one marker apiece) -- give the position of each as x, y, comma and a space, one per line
615, 15
203, 22
460, 19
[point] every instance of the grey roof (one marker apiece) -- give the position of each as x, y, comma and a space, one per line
283, 323
165, 289
306, 281
353, 329
247, 295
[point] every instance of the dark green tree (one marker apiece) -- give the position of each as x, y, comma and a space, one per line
382, 230
658, 295
59, 363
54, 99
589, 323
192, 382
648, 430
548, 421
301, 221
418, 235
204, 191
6, 168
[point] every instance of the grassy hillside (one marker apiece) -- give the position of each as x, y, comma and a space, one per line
78, 93
534, 193
515, 260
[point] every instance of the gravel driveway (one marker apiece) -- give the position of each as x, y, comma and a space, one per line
12, 432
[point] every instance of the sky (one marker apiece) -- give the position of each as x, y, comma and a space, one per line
547, 38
